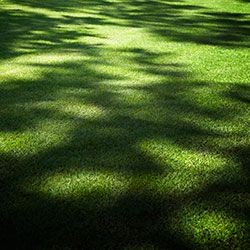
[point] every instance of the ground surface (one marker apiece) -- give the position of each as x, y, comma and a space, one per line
124, 124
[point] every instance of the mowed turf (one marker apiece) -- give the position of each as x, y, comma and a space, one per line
124, 124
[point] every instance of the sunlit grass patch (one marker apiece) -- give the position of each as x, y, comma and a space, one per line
84, 111
96, 188
45, 134
187, 170
210, 228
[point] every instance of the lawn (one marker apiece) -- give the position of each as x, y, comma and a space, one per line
125, 124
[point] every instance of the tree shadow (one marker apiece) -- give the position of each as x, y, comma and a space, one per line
239, 93
107, 144
138, 217
173, 20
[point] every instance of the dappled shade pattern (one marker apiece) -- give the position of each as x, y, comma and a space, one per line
124, 124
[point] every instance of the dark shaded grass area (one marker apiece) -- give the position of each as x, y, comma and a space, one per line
36, 221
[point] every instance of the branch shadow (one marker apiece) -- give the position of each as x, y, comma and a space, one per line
137, 216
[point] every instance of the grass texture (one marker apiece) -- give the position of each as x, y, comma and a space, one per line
124, 124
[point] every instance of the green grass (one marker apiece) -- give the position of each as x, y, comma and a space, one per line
125, 124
